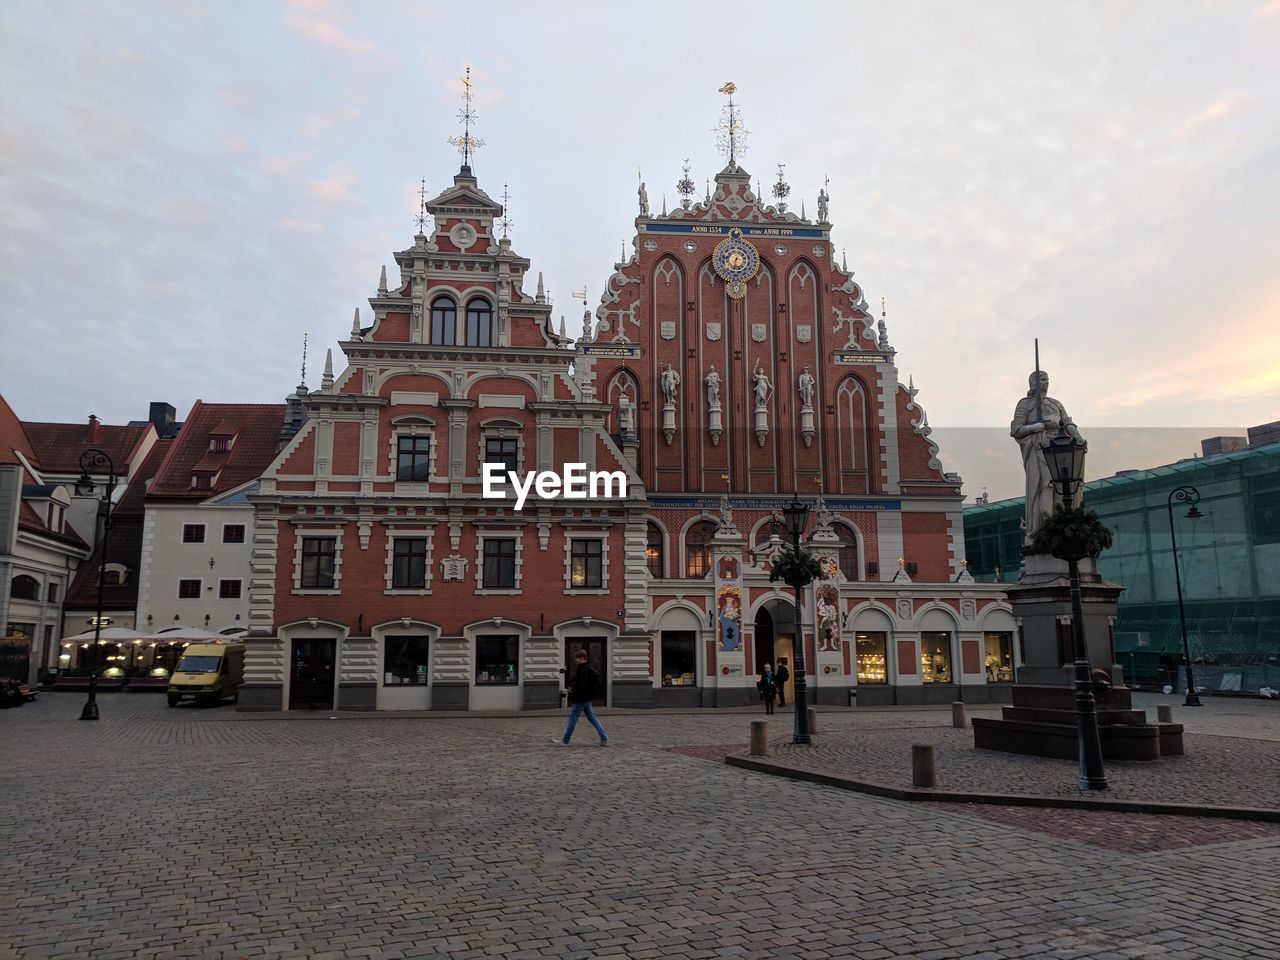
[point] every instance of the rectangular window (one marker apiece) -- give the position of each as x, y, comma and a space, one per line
405, 661
188, 589
193, 533
585, 563
873, 664
502, 450
201, 481
233, 533
413, 458
52, 595
228, 589
499, 564
679, 658
997, 657
317, 562
497, 660
935, 657
409, 563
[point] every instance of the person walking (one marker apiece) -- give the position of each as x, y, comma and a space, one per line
584, 687
768, 687
780, 678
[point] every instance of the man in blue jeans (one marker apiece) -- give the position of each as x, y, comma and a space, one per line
581, 691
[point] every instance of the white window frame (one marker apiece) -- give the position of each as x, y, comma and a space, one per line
569, 538
413, 425
305, 533
239, 580
178, 588
204, 534
508, 533
389, 579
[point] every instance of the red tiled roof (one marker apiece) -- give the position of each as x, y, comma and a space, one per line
131, 504
59, 445
13, 438
29, 519
124, 546
257, 426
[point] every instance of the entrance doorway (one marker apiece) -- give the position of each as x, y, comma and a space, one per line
764, 639
775, 628
597, 659
311, 674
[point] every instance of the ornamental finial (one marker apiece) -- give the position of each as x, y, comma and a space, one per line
731, 135
466, 144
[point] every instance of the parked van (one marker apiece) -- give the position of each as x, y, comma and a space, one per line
208, 673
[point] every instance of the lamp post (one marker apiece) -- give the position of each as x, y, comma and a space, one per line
795, 517
94, 459
1190, 496
1064, 456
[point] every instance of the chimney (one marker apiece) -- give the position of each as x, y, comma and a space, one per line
95, 430
161, 416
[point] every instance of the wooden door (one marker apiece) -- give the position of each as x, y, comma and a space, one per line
597, 660
311, 674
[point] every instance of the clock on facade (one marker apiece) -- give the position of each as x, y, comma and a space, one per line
736, 261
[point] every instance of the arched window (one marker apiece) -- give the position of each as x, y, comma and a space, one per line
848, 555
479, 323
697, 549
444, 317
653, 550
25, 588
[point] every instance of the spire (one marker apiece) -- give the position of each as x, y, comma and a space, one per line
326, 381
882, 329
844, 261
505, 222
355, 322
664, 204
421, 218
542, 291
382, 282
731, 135
802, 216
466, 144
563, 334
302, 384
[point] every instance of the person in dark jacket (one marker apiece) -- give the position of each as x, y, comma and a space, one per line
766, 684
780, 677
585, 685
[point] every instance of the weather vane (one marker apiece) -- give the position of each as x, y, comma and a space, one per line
781, 190
685, 186
731, 135
421, 218
466, 144
505, 222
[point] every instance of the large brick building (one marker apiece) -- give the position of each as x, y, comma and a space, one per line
730, 363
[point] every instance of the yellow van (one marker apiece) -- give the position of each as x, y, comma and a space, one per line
208, 673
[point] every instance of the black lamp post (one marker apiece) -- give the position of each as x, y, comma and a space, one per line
795, 517
1064, 456
94, 459
1190, 496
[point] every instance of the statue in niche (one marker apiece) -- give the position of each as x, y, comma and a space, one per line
670, 383
1036, 421
761, 384
712, 380
806, 388
626, 417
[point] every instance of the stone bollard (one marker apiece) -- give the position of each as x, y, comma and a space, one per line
1164, 713
958, 718
759, 738
924, 769
813, 720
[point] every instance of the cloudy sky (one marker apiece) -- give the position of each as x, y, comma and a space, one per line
189, 187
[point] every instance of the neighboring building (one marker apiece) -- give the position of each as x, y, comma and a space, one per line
39, 553
384, 579
1229, 561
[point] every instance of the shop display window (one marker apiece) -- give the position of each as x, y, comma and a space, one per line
873, 662
997, 657
405, 661
679, 658
497, 660
935, 657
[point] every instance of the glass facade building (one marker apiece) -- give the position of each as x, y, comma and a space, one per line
1229, 560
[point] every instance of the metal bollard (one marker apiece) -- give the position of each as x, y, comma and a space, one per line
759, 738
958, 718
813, 720
1164, 713
924, 769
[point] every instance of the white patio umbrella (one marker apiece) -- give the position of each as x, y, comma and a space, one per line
109, 635
189, 634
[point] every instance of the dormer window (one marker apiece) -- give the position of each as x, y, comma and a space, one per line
219, 444
444, 321
202, 481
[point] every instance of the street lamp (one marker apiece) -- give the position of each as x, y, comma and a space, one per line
94, 459
1191, 496
795, 517
1064, 456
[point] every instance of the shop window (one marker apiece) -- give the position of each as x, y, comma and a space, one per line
697, 547
653, 550
847, 552
503, 450
413, 458
233, 533
997, 657
479, 323
24, 588
497, 660
405, 661
228, 589
193, 533
444, 317
318, 562
409, 563
679, 658
935, 657
585, 567
188, 589
873, 660
499, 564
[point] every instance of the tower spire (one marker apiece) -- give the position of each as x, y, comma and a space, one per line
466, 144
302, 383
421, 218
326, 381
505, 222
355, 324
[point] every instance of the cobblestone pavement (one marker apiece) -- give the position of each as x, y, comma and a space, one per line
160, 833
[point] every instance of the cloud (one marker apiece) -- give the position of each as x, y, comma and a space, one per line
325, 34
1215, 111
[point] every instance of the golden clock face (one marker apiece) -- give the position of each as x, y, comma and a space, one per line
736, 261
